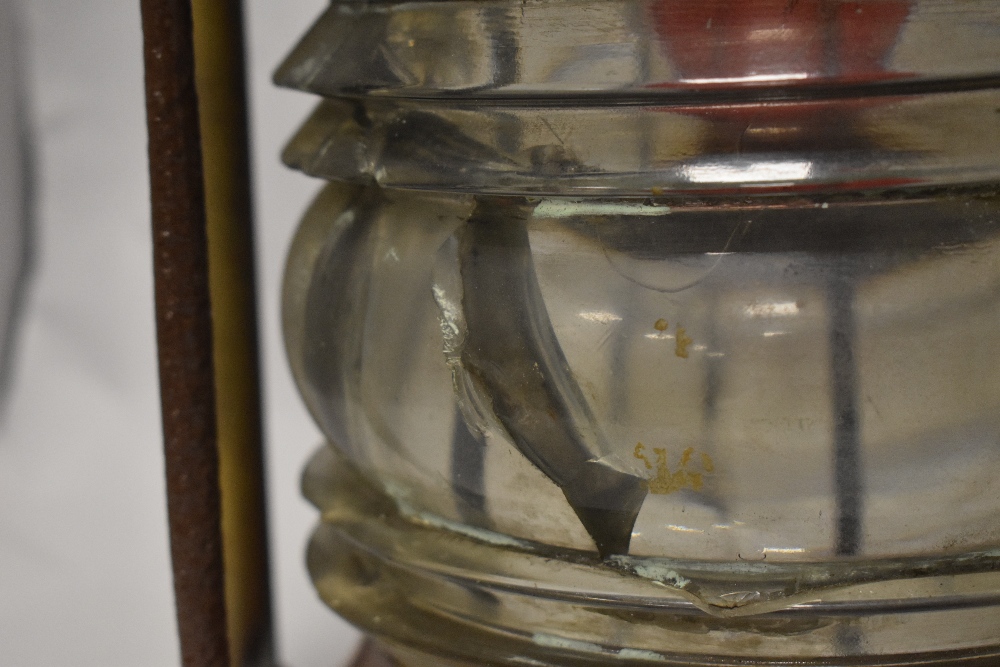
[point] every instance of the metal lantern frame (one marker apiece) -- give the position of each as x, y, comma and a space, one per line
208, 344
207, 330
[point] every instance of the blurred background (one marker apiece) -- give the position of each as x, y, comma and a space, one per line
84, 565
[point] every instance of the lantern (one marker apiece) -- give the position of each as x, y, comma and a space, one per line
653, 332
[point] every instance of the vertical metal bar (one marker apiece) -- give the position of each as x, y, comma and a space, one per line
846, 425
184, 332
221, 86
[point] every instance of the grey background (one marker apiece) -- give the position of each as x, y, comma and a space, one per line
84, 572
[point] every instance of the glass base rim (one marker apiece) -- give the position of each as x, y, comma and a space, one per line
412, 585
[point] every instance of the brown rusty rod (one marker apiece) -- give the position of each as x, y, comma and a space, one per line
184, 332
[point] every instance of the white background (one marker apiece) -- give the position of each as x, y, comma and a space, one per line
84, 571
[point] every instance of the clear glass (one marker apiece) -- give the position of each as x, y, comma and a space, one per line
654, 331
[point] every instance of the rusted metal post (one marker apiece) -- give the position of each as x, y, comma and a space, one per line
184, 332
203, 264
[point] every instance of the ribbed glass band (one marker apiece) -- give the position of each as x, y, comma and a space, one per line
622, 150
475, 594
658, 49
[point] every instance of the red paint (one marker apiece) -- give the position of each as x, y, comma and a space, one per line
810, 41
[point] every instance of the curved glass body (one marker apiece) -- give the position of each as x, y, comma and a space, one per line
654, 331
